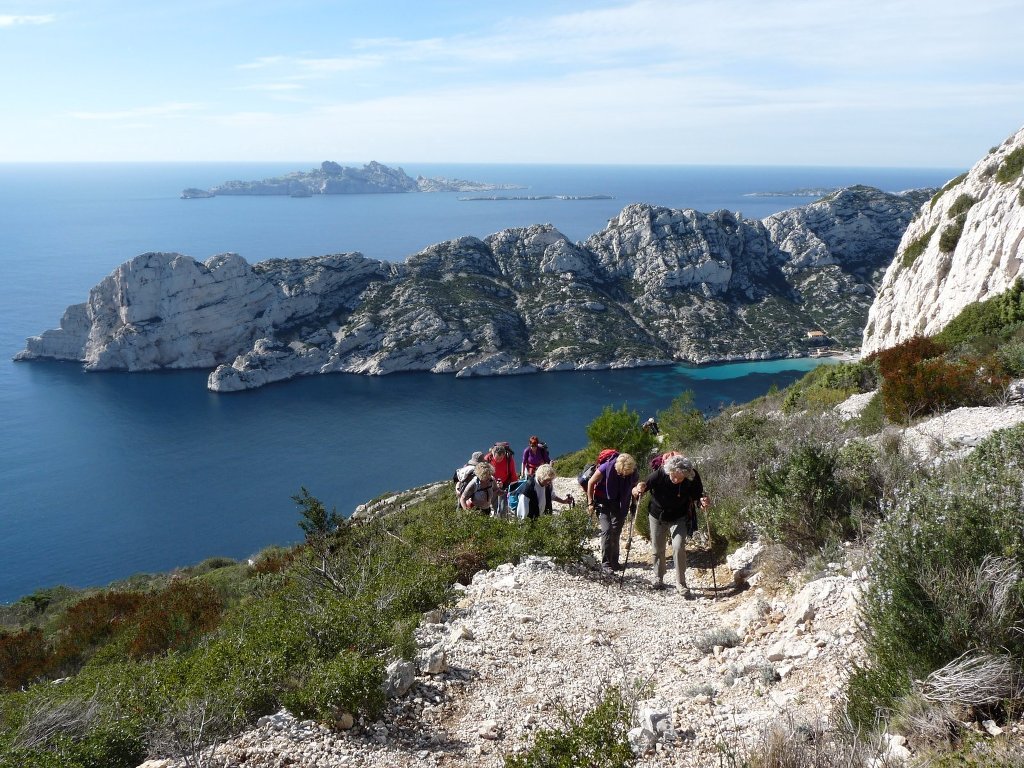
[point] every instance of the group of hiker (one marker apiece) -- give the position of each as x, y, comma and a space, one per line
490, 484
613, 487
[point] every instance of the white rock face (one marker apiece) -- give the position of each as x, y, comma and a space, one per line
921, 295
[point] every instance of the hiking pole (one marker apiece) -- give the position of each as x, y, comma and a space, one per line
711, 551
629, 538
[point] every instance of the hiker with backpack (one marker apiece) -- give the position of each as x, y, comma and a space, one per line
465, 473
609, 492
481, 493
534, 455
676, 492
538, 492
503, 462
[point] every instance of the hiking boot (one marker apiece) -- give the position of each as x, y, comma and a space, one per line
657, 584
684, 591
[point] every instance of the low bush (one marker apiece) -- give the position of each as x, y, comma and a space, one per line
24, 658
961, 206
916, 247
951, 234
937, 385
723, 636
946, 577
596, 739
175, 618
350, 682
800, 499
1011, 167
92, 622
683, 425
621, 430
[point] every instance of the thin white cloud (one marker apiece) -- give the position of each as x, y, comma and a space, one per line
263, 62
274, 87
136, 113
15, 21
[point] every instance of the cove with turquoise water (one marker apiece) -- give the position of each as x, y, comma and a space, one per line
107, 474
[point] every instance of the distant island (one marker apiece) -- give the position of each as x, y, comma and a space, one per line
536, 197
805, 192
334, 179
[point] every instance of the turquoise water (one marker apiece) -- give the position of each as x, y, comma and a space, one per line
107, 474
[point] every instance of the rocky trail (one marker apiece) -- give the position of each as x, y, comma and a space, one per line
523, 643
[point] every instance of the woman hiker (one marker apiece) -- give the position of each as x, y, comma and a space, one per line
676, 489
609, 494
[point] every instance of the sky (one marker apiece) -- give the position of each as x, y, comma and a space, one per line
903, 83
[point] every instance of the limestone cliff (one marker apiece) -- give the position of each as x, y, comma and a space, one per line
966, 245
656, 285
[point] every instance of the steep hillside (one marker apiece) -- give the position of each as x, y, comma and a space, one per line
966, 245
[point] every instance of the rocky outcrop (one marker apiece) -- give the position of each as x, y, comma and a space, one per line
966, 245
334, 179
656, 285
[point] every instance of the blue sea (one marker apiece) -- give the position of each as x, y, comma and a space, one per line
104, 475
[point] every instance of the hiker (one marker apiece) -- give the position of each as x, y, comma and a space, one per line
650, 426
502, 460
676, 489
481, 493
464, 474
535, 454
608, 494
538, 493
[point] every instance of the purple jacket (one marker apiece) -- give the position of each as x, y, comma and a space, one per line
615, 487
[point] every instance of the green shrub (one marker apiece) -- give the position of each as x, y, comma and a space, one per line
872, 418
946, 575
596, 739
1011, 358
917, 247
800, 501
951, 236
349, 682
961, 206
723, 636
621, 430
683, 425
948, 186
1011, 167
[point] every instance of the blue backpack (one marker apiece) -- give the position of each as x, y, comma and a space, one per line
516, 501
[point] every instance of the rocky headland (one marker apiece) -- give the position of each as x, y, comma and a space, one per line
334, 179
965, 245
655, 286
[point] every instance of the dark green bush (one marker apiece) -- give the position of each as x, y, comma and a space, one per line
801, 502
933, 594
917, 247
951, 236
961, 206
683, 425
596, 739
620, 430
948, 186
996, 318
350, 682
1011, 167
